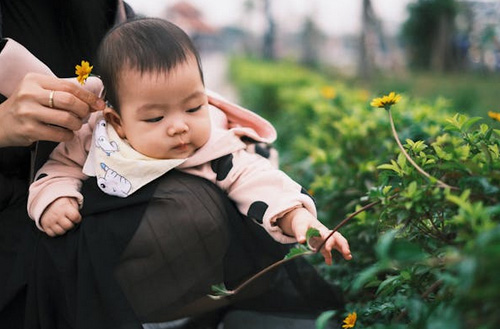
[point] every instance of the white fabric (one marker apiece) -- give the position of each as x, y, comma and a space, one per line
121, 170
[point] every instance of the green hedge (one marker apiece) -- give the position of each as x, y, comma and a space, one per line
425, 257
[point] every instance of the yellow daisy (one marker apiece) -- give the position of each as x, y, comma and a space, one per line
494, 115
386, 101
328, 92
83, 71
350, 320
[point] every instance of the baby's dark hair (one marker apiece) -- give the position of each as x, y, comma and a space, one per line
147, 45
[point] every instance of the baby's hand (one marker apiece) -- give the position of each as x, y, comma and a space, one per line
299, 220
60, 216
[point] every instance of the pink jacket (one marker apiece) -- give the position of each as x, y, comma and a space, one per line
260, 190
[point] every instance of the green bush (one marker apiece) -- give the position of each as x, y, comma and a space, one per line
426, 256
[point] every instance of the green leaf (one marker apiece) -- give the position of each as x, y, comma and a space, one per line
389, 167
220, 291
417, 146
383, 246
394, 166
389, 249
461, 122
401, 161
389, 281
299, 249
366, 275
456, 122
468, 123
404, 251
488, 134
441, 153
461, 201
386, 190
411, 189
444, 316
405, 275
494, 149
323, 318
311, 233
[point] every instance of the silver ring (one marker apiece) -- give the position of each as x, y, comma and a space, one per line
51, 98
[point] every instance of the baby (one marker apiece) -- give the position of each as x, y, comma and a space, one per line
160, 117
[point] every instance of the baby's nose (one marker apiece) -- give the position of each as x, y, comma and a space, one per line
177, 127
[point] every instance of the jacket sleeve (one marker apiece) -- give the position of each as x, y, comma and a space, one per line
15, 62
61, 175
259, 190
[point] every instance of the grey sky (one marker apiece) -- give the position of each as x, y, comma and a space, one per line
333, 16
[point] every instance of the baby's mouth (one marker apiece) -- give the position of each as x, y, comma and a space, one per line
182, 145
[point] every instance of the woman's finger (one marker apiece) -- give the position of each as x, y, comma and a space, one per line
92, 84
64, 101
68, 96
83, 95
41, 131
55, 117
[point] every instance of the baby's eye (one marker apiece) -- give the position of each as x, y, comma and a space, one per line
194, 109
154, 119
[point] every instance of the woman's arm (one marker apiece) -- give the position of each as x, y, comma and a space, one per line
28, 115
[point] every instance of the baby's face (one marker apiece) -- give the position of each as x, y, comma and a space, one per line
164, 116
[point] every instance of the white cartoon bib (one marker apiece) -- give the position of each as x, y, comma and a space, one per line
121, 170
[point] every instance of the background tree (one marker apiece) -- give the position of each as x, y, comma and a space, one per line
269, 35
429, 34
369, 30
311, 38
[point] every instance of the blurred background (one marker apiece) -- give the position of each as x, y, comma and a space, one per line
429, 48
428, 257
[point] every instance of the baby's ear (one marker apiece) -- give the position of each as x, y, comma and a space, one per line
115, 120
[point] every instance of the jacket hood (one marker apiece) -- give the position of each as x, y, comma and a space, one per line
240, 117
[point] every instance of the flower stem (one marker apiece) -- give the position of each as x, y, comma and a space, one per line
419, 169
265, 270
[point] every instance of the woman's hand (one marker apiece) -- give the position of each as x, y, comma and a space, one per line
45, 108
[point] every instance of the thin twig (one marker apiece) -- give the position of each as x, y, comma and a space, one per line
417, 167
282, 261
267, 269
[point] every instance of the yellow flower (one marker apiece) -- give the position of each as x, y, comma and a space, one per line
350, 320
386, 101
82, 72
328, 92
494, 115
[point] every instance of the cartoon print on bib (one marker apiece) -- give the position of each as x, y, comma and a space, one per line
101, 139
113, 183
